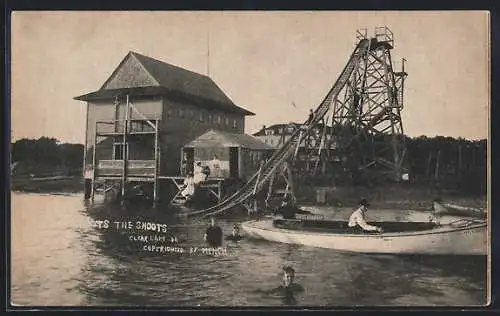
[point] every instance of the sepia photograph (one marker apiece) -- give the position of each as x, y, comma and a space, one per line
191, 159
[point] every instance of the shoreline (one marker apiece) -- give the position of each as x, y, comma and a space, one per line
59, 184
389, 197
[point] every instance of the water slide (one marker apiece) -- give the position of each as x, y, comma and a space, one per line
259, 179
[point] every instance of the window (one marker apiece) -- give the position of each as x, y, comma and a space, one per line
118, 151
201, 117
235, 123
209, 118
219, 118
226, 121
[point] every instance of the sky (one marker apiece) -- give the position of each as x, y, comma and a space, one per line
263, 61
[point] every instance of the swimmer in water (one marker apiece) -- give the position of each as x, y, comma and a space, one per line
288, 288
235, 234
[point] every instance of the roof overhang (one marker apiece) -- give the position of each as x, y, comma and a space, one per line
110, 94
102, 95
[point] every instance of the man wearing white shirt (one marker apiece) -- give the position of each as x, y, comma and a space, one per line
357, 218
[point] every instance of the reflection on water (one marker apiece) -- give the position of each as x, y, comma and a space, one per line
58, 258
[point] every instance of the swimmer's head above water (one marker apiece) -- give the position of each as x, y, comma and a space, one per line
288, 275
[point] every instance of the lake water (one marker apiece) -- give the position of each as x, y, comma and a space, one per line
60, 259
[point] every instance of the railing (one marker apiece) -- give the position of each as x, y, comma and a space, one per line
134, 126
361, 34
384, 34
135, 168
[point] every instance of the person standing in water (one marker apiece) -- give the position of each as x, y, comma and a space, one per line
213, 234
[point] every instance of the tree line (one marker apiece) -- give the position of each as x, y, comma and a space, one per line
448, 162
46, 156
445, 161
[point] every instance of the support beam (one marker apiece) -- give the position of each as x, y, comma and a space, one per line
155, 184
125, 151
94, 165
86, 146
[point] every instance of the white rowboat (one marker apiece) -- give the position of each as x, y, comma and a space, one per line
465, 237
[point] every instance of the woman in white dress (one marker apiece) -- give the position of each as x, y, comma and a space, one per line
188, 190
199, 176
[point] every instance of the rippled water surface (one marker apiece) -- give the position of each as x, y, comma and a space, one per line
58, 258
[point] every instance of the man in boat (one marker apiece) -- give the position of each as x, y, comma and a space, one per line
289, 209
357, 218
213, 234
235, 234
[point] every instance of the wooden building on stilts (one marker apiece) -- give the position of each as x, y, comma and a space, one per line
139, 120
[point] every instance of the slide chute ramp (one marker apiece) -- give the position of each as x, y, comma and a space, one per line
260, 178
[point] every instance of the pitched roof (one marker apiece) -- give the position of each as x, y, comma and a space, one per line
216, 138
144, 75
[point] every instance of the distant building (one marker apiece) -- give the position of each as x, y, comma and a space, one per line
168, 107
275, 135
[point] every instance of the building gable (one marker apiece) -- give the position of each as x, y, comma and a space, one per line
139, 75
131, 73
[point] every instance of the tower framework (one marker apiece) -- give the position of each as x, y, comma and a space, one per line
363, 131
